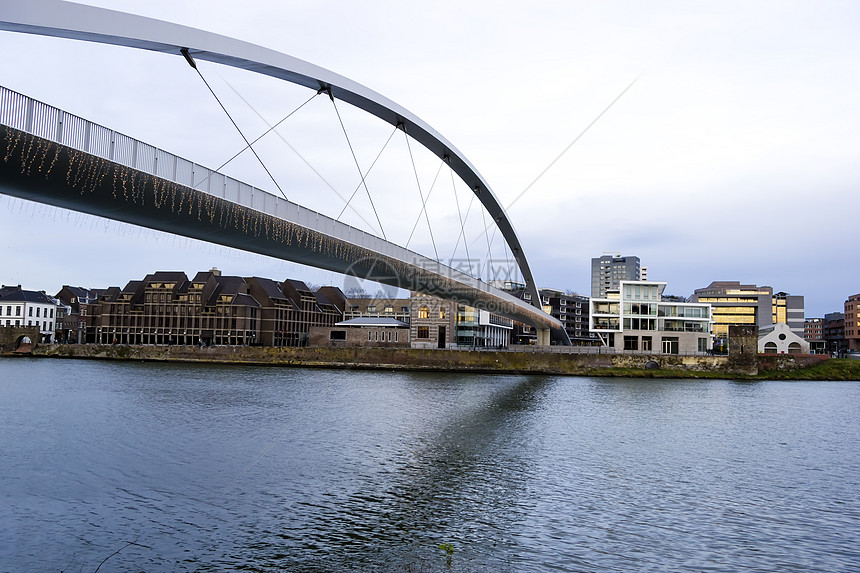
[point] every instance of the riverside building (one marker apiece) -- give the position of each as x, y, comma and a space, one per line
211, 309
852, 322
788, 309
635, 318
813, 333
19, 307
572, 311
440, 323
834, 332
736, 304
608, 270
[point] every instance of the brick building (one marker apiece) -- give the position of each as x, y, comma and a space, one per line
168, 308
431, 322
813, 333
852, 322
834, 332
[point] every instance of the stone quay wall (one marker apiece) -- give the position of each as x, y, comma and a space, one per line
532, 362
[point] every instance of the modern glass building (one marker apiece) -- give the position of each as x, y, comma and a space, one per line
636, 318
735, 304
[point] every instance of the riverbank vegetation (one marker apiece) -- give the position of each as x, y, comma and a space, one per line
832, 369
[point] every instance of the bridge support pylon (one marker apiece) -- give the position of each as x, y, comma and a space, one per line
543, 336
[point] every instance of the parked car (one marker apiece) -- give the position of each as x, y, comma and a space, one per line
852, 354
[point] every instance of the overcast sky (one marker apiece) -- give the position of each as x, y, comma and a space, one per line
735, 155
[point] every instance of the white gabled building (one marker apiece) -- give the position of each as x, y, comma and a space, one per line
19, 307
779, 338
636, 318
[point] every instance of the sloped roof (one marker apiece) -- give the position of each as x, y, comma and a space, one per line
243, 299
7, 289
21, 295
298, 285
110, 294
228, 285
202, 276
271, 287
132, 286
177, 277
85, 295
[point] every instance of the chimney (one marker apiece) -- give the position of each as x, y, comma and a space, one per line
215, 271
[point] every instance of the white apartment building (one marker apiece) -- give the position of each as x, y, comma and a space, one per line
635, 318
19, 307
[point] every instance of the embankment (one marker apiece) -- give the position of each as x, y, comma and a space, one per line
506, 362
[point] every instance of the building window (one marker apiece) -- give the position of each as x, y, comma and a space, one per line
646, 343
337, 335
31, 311
388, 310
17, 312
423, 332
631, 343
703, 345
423, 312
670, 345
441, 314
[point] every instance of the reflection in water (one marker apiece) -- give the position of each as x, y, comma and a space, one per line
430, 485
212, 468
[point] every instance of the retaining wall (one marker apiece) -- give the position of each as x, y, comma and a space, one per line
390, 358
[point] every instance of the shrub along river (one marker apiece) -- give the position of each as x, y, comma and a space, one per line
172, 467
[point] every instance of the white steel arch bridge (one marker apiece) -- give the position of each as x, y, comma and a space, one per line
56, 158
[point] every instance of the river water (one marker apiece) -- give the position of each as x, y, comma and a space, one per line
167, 467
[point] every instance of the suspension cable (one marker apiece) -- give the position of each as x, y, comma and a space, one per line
354, 158
264, 134
418, 219
267, 132
508, 255
298, 154
486, 234
420, 193
357, 187
460, 215
193, 64
572, 143
463, 236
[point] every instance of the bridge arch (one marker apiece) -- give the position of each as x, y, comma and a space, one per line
60, 19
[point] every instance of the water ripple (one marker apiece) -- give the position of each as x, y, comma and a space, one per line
261, 469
